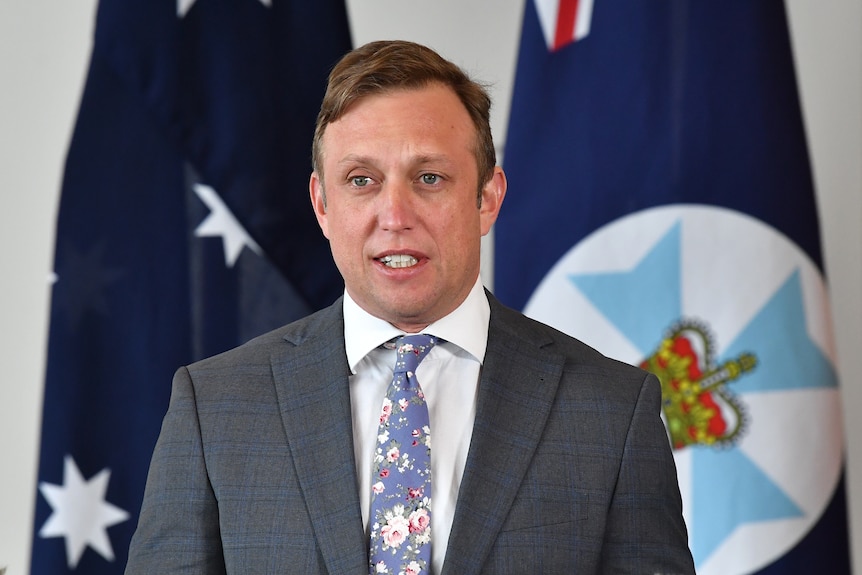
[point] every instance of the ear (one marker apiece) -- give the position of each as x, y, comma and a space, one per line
318, 202
492, 199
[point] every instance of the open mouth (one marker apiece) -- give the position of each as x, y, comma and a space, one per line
398, 261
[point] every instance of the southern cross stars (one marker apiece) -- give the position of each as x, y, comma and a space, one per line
183, 6
221, 222
81, 514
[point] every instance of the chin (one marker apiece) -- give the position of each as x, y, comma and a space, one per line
405, 315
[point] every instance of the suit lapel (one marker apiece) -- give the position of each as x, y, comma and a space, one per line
311, 382
516, 391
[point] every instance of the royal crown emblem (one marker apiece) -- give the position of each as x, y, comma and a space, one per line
698, 406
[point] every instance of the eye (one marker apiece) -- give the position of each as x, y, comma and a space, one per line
360, 181
430, 179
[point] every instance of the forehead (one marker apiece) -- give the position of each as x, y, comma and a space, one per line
429, 112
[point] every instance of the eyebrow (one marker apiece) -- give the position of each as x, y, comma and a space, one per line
423, 159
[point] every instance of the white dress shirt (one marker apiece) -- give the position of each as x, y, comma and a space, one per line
449, 377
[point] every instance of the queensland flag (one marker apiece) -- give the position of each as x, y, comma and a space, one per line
184, 229
661, 209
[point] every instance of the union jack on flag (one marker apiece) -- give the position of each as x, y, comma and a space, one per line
564, 21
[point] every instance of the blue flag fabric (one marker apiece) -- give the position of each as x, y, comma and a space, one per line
184, 229
661, 209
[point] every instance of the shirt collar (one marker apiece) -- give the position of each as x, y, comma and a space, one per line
466, 327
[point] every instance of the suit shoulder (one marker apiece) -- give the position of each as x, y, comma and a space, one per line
577, 354
260, 349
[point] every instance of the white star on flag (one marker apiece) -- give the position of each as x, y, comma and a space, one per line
183, 6
81, 514
221, 222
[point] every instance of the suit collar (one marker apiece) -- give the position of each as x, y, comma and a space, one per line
516, 392
311, 372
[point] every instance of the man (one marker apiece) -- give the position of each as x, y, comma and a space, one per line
547, 457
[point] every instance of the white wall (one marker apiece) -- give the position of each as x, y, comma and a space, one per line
827, 39
44, 48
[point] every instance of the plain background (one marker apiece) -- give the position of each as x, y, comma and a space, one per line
44, 51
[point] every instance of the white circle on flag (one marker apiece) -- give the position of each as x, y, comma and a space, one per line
736, 277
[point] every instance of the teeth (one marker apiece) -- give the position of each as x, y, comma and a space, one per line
399, 261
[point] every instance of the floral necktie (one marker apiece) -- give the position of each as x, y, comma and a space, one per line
401, 479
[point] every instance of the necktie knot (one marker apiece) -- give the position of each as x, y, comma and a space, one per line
411, 350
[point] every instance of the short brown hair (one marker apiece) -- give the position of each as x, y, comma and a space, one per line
384, 66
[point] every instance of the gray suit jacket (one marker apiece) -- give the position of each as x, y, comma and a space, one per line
569, 468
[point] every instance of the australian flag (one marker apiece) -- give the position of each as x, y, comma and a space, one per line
661, 208
184, 229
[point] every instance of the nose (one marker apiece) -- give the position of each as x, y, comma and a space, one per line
396, 210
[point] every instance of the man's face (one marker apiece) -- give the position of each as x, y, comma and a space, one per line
401, 211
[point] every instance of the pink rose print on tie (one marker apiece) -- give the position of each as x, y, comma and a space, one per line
419, 521
395, 531
400, 515
392, 455
386, 411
